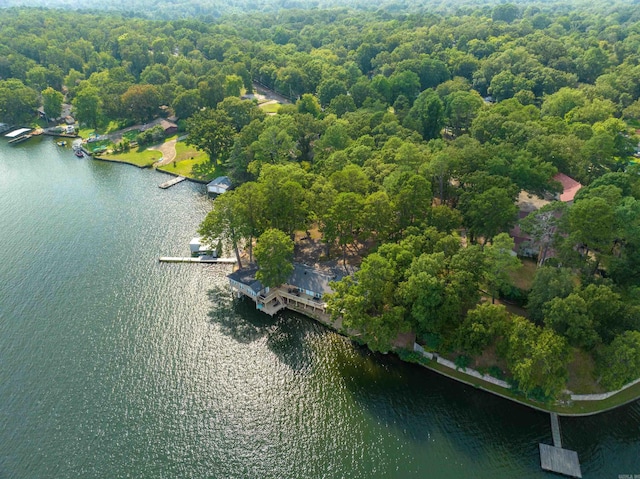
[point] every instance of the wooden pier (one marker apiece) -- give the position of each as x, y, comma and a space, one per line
554, 458
197, 259
171, 182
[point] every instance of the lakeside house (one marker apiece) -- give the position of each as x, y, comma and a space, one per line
220, 185
303, 291
524, 244
569, 188
169, 127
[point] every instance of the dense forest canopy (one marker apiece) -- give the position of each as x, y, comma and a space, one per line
412, 138
210, 9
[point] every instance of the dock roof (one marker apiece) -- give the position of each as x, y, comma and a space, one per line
18, 132
223, 181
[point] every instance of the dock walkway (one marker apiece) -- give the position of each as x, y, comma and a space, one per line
171, 182
555, 430
198, 259
554, 458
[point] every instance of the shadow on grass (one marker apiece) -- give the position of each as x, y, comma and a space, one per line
206, 171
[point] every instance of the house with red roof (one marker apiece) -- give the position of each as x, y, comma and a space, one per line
569, 188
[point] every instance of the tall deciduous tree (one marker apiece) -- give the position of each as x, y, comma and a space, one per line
18, 102
225, 223
274, 254
141, 102
501, 262
620, 362
52, 102
537, 358
426, 115
211, 131
87, 106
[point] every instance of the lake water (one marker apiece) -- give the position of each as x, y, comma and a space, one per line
113, 365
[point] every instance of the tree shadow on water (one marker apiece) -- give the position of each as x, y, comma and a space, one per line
284, 334
237, 318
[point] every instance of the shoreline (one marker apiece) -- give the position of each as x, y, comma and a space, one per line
146, 167
477, 383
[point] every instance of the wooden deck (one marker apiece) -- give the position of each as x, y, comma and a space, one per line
561, 461
199, 259
171, 182
554, 458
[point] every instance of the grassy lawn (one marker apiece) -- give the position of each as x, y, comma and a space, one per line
131, 135
142, 158
523, 278
271, 108
192, 163
85, 132
581, 374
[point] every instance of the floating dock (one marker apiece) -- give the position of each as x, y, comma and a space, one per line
554, 458
197, 259
171, 182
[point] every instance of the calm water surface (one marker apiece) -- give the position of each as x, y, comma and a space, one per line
115, 366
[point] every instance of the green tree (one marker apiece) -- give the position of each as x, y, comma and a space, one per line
501, 263
224, 223
274, 254
211, 131
52, 101
620, 361
365, 302
308, 103
481, 327
342, 104
233, 85
461, 109
186, 103
569, 317
343, 221
488, 213
18, 102
87, 106
592, 224
329, 89
240, 112
141, 102
426, 115
548, 283
537, 358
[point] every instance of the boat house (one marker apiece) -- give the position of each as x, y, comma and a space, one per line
220, 185
303, 291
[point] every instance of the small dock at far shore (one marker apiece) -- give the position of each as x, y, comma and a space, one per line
197, 259
558, 460
171, 182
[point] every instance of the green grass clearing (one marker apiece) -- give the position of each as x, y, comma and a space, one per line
523, 278
582, 373
192, 163
271, 107
144, 158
